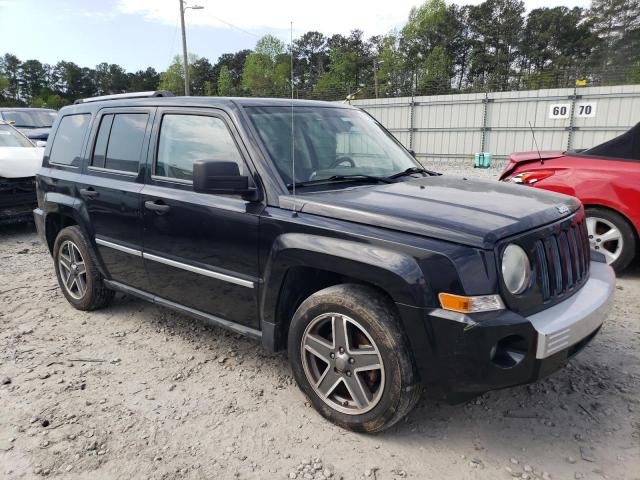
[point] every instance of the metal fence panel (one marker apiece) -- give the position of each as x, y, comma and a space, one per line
449, 129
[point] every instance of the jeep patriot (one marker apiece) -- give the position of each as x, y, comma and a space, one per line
308, 227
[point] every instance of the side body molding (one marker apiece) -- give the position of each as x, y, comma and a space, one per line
396, 273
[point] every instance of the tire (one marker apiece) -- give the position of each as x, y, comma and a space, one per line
392, 390
600, 224
78, 276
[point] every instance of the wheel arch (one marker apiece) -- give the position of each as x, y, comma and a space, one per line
61, 211
300, 265
635, 228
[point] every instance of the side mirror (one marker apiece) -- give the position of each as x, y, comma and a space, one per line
41, 143
212, 176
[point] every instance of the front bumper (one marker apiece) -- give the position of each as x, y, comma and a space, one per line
17, 199
460, 356
568, 322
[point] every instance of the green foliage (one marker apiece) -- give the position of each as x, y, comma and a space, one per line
435, 72
172, 78
266, 70
225, 85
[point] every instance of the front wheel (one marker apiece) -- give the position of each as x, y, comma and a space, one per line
349, 356
611, 235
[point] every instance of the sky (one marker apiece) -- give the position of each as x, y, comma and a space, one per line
140, 33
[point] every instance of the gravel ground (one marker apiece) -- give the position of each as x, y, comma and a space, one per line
137, 391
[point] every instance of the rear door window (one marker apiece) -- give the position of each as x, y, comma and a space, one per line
69, 138
119, 141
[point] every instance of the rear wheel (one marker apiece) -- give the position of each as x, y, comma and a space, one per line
349, 356
79, 278
611, 235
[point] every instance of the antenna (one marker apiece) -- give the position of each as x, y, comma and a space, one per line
536, 144
293, 149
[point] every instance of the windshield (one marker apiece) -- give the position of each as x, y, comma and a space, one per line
328, 142
10, 138
30, 118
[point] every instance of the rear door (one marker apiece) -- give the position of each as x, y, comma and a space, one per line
200, 250
113, 180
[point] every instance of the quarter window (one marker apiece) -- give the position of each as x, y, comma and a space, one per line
119, 141
187, 138
69, 137
100, 150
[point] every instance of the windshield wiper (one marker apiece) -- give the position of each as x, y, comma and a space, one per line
412, 170
342, 178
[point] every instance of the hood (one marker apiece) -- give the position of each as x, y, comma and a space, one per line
518, 158
20, 162
471, 212
35, 133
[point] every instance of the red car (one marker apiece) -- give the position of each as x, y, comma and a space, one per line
606, 178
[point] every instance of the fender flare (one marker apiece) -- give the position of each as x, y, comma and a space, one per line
55, 203
397, 274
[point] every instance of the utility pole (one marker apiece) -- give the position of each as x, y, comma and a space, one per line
185, 56
376, 64
184, 51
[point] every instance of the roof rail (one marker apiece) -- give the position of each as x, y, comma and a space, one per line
119, 96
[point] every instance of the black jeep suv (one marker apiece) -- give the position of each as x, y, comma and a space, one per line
308, 227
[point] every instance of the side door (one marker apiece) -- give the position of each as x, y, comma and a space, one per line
113, 180
200, 249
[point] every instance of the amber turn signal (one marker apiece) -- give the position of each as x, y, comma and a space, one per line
463, 304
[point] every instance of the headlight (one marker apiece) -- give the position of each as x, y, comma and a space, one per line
516, 269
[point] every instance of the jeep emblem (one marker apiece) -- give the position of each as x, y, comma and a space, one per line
562, 209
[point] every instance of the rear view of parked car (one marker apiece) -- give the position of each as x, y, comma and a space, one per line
605, 178
35, 123
19, 162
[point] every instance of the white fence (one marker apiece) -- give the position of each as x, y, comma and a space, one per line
446, 130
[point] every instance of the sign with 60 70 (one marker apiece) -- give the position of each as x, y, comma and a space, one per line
563, 110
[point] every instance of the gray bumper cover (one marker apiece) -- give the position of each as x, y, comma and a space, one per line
566, 323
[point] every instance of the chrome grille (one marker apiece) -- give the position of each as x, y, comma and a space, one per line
562, 260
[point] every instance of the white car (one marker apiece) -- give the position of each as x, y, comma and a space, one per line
20, 159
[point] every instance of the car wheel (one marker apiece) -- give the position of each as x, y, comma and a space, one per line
350, 357
79, 278
611, 235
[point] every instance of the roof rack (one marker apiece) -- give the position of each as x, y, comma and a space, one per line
119, 96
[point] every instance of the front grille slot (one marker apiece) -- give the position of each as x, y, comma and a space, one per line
562, 260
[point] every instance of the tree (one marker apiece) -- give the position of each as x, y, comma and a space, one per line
4, 86
10, 67
143, 80
393, 78
72, 82
225, 86
310, 59
201, 77
235, 64
350, 66
423, 31
435, 73
266, 70
496, 25
555, 38
616, 24
172, 78
31, 79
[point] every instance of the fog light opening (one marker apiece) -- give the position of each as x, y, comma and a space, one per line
509, 351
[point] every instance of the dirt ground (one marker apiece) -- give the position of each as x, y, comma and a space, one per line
136, 391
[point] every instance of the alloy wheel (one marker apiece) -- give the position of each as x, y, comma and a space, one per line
605, 238
73, 272
342, 363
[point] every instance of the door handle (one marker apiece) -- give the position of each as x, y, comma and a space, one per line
159, 208
89, 193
